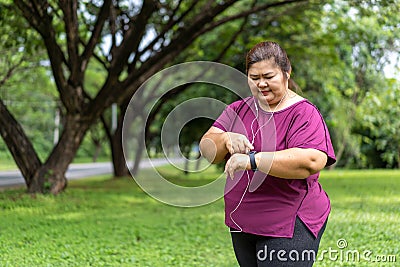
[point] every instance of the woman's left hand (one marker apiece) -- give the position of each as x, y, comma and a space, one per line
237, 162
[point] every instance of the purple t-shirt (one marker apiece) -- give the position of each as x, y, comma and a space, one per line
262, 204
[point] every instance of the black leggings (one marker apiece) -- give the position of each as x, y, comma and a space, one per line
257, 251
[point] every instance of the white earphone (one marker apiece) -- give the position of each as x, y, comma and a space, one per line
247, 173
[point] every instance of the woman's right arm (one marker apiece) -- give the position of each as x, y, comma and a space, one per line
216, 144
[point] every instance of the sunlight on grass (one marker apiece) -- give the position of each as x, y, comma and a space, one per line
7, 164
193, 178
365, 213
112, 222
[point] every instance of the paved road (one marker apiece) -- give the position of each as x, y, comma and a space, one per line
77, 171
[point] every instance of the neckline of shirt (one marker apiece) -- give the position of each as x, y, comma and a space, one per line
281, 110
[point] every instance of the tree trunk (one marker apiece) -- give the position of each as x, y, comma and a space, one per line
186, 166
198, 161
96, 151
139, 152
118, 158
186, 154
338, 156
50, 177
19, 145
119, 163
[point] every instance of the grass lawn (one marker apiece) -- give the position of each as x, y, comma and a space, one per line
109, 222
7, 164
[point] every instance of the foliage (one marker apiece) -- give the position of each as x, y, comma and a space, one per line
34, 109
379, 125
338, 52
193, 130
108, 222
21, 70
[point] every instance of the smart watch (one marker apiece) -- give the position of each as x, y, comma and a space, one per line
253, 160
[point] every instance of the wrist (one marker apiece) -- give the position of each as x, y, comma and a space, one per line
248, 164
225, 139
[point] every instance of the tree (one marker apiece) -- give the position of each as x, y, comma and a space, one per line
73, 37
379, 124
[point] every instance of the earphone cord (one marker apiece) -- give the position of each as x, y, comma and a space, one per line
248, 176
251, 126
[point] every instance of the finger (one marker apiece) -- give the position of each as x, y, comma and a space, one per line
230, 148
231, 173
240, 146
249, 145
231, 170
237, 148
226, 170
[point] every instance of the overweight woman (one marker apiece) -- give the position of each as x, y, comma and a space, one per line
275, 143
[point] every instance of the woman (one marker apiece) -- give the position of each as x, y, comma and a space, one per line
275, 143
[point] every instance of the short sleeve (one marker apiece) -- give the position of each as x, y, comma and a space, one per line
309, 130
230, 115
225, 119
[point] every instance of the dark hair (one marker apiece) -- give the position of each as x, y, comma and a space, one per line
270, 50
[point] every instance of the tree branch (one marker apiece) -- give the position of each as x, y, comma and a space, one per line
43, 25
69, 8
253, 10
132, 38
180, 89
234, 37
10, 72
167, 28
113, 30
18, 144
184, 39
96, 33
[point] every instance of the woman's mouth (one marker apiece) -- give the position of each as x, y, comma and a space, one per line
265, 92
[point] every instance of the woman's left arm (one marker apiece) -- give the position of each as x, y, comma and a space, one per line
292, 163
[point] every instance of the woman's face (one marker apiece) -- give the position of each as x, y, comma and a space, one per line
267, 83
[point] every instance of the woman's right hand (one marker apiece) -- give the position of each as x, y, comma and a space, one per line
237, 143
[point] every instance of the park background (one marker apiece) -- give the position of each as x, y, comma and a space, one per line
69, 68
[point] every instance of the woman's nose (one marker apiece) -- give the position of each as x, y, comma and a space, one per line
262, 83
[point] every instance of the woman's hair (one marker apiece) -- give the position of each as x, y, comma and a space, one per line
271, 51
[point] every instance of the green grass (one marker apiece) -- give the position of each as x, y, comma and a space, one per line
365, 212
111, 222
7, 164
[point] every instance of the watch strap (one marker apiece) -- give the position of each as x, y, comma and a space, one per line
253, 163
